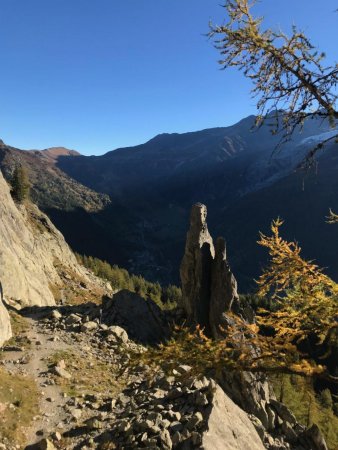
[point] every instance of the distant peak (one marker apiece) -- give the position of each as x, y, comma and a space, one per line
60, 151
161, 136
53, 153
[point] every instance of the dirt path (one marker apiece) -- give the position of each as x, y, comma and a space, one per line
52, 401
33, 362
92, 357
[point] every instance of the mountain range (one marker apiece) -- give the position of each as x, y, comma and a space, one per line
130, 206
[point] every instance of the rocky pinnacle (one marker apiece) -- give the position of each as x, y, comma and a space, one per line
208, 286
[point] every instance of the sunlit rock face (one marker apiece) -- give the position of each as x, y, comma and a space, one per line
33, 252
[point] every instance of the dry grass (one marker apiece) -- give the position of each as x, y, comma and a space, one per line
19, 324
77, 296
19, 403
74, 289
56, 291
72, 292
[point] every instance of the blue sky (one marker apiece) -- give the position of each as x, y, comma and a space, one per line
97, 75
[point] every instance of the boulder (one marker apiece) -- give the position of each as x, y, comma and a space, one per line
141, 319
313, 439
119, 333
44, 444
55, 314
89, 326
60, 370
228, 426
73, 319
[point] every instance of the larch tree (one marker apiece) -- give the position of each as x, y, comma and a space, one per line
290, 80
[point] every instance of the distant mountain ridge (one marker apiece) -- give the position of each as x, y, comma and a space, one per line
51, 187
152, 186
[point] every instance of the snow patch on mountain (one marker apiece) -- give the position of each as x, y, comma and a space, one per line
315, 139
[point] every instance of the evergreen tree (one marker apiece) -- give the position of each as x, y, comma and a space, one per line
20, 184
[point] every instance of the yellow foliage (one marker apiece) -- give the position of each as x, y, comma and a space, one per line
240, 349
306, 299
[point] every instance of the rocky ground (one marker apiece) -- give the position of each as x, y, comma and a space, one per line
76, 364
87, 396
90, 397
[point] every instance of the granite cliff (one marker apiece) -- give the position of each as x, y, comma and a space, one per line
33, 253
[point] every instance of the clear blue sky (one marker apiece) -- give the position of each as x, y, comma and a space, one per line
94, 75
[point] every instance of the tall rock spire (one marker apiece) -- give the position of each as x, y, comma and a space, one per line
196, 268
209, 289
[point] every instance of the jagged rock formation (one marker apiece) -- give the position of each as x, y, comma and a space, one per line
33, 253
196, 268
5, 324
209, 289
209, 292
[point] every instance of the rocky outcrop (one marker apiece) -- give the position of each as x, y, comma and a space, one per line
5, 324
195, 269
32, 252
143, 319
209, 289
